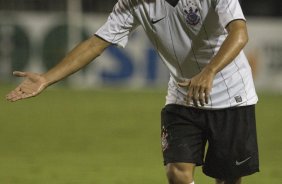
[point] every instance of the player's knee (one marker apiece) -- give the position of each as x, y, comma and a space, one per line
179, 174
230, 181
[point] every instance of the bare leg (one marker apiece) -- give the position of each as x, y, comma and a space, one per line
232, 181
180, 173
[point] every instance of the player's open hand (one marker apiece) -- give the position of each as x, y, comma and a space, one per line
32, 85
199, 88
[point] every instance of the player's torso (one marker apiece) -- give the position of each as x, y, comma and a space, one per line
187, 35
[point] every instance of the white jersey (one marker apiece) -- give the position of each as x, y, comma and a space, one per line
187, 37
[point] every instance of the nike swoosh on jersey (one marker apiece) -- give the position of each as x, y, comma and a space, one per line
154, 21
238, 163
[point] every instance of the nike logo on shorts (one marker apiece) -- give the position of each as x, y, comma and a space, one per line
238, 163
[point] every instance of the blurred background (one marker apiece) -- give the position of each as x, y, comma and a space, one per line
108, 130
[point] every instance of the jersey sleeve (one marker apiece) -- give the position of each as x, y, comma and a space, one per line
119, 25
228, 10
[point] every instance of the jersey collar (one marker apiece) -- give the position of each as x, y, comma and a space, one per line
172, 2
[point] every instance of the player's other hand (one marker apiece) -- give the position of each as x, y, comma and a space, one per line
32, 85
199, 87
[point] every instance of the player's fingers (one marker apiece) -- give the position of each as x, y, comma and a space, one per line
202, 97
16, 98
14, 95
207, 95
195, 102
18, 95
189, 96
195, 97
9, 97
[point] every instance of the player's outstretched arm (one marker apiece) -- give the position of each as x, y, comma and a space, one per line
79, 57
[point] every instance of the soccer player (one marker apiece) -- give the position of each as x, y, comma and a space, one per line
211, 95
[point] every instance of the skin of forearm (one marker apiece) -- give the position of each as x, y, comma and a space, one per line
236, 40
76, 59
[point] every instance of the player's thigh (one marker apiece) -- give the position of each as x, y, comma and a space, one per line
183, 141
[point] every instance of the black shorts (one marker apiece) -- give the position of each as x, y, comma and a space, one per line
230, 133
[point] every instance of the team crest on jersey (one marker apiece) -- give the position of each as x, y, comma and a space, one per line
164, 139
192, 14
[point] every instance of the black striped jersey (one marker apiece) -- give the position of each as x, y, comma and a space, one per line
187, 37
